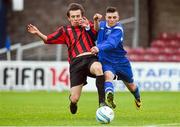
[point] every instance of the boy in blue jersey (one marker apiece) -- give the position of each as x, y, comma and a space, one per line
113, 56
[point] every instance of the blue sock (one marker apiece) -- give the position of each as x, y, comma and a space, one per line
136, 93
108, 86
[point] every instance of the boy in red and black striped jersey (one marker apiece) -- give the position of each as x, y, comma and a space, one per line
79, 42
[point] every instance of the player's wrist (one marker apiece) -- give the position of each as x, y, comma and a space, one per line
87, 28
38, 33
97, 49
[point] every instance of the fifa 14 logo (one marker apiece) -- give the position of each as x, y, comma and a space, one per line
35, 76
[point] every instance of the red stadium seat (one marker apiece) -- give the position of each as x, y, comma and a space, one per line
135, 57
166, 36
175, 58
163, 58
137, 51
158, 44
152, 51
166, 48
173, 43
169, 36
178, 36
150, 58
178, 51
163, 35
168, 51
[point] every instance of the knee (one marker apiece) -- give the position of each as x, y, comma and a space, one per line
97, 68
109, 76
74, 98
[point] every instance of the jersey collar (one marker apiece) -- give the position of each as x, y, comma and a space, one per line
109, 26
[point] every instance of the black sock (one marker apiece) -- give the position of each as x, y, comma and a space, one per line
100, 87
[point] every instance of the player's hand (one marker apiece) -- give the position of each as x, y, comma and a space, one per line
84, 22
97, 17
94, 50
32, 29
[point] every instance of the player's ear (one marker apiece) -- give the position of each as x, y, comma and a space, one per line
118, 18
106, 17
68, 18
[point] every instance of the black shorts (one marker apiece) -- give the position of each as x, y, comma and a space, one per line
80, 69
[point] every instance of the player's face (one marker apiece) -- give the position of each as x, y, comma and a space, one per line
75, 17
112, 18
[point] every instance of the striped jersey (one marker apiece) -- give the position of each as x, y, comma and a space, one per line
110, 43
76, 38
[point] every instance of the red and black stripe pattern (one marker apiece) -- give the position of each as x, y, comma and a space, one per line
77, 39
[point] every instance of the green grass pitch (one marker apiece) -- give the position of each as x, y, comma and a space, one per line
52, 109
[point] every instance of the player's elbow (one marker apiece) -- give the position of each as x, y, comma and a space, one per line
45, 41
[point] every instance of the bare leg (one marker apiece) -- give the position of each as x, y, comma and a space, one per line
74, 97
75, 93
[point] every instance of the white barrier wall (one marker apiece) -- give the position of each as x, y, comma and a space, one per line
34, 75
18, 75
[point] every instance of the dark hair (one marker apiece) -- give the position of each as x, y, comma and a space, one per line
111, 9
74, 7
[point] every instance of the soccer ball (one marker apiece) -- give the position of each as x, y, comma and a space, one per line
104, 114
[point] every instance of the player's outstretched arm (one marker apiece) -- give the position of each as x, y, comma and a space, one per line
96, 19
35, 31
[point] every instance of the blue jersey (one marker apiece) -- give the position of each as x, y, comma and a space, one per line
110, 43
111, 52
